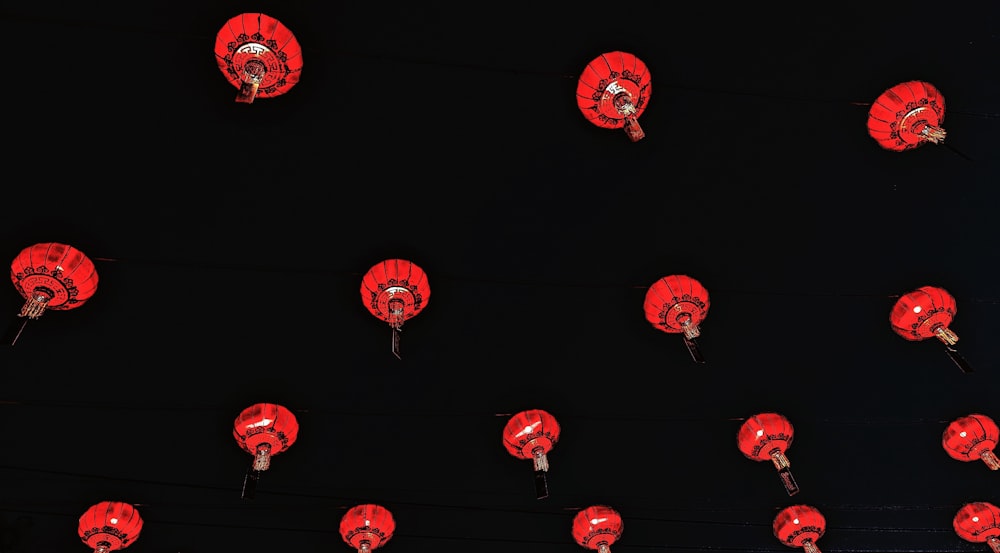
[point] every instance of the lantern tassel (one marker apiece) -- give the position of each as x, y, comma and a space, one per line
693, 349
933, 134
958, 359
994, 543
634, 131
396, 331
788, 481
623, 102
253, 74
990, 459
783, 465
811, 547
541, 463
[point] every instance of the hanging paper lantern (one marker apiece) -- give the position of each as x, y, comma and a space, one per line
109, 526
395, 291
800, 526
979, 522
926, 313
531, 435
367, 527
766, 437
263, 430
677, 304
258, 55
613, 91
597, 527
972, 438
52, 277
906, 116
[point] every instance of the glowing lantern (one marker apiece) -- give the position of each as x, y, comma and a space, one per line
979, 522
926, 313
51, 277
613, 91
677, 304
800, 526
258, 55
766, 437
263, 430
906, 116
367, 527
972, 438
395, 291
110, 526
597, 527
531, 435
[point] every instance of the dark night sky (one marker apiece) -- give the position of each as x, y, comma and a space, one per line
231, 240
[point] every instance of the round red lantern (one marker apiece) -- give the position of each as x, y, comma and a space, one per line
263, 430
972, 438
258, 55
906, 116
677, 304
766, 437
926, 313
530, 435
367, 527
613, 91
395, 291
979, 522
109, 526
597, 527
52, 276
800, 526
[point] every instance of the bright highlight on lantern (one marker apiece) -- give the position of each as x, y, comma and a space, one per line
114, 520
795, 521
263, 422
917, 309
760, 432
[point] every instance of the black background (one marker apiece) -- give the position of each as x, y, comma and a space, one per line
231, 239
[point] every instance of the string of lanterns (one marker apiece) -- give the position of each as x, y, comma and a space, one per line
59, 277
51, 276
262, 58
266, 429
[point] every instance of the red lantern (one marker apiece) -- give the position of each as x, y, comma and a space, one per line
979, 522
52, 276
766, 437
258, 55
597, 527
613, 91
367, 527
395, 291
925, 313
263, 430
800, 526
972, 438
677, 304
109, 526
531, 435
906, 116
